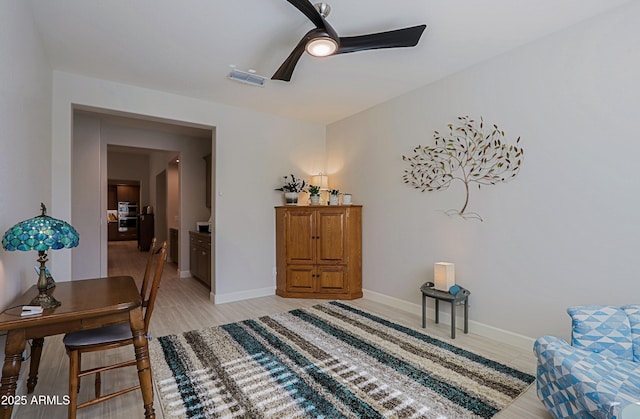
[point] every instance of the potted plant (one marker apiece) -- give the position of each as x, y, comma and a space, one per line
291, 188
333, 196
314, 194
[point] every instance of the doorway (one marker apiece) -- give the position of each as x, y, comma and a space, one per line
136, 141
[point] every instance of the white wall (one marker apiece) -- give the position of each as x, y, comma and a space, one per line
564, 232
25, 160
87, 205
25, 164
253, 151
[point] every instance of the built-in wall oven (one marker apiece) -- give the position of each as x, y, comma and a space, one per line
127, 216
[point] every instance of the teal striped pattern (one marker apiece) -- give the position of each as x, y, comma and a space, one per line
329, 361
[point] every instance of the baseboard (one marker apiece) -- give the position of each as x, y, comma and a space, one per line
392, 301
500, 335
242, 295
481, 329
184, 274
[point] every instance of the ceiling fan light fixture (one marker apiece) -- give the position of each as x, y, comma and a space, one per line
322, 46
323, 40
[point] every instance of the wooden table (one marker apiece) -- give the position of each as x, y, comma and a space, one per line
86, 304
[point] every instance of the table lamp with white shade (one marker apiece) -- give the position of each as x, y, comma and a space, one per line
444, 275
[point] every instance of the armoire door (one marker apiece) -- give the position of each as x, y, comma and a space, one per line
332, 279
331, 242
301, 278
300, 237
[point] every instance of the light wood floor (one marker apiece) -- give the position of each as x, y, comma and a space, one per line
183, 304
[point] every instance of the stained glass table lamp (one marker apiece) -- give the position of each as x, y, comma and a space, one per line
41, 233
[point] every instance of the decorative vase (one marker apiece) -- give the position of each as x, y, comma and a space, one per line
333, 200
314, 199
291, 198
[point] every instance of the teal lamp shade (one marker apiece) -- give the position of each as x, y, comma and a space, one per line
41, 233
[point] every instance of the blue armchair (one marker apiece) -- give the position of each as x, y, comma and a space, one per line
598, 375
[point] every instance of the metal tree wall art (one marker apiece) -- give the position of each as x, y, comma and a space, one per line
470, 152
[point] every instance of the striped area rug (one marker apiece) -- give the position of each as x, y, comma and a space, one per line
328, 361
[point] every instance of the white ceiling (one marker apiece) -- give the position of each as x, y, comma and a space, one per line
186, 46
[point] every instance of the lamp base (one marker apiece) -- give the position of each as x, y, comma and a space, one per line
45, 282
50, 282
45, 301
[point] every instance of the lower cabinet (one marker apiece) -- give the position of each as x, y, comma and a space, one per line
114, 234
173, 244
112, 231
319, 251
146, 231
200, 256
317, 279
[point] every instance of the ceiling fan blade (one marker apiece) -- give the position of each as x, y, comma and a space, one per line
285, 70
406, 37
309, 11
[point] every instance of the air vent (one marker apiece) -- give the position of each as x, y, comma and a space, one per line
248, 78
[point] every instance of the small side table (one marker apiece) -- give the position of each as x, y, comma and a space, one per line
461, 297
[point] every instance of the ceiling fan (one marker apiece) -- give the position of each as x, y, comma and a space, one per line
323, 40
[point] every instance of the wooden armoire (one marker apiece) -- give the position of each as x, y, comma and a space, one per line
319, 251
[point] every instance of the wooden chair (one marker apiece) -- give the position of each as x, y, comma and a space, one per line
148, 269
111, 337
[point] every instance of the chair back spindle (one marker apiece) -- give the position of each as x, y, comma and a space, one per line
149, 302
147, 270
